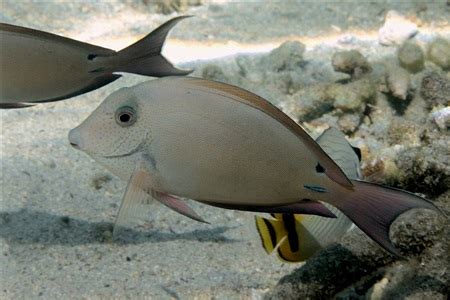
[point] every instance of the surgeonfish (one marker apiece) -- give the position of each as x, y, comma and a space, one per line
37, 66
224, 146
296, 238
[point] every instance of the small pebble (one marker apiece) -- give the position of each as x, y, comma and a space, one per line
439, 53
396, 29
411, 57
442, 117
289, 56
351, 62
352, 96
435, 89
398, 82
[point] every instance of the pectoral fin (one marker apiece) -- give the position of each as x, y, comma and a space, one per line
135, 196
140, 191
177, 205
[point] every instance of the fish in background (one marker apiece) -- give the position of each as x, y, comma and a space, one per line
226, 147
296, 238
37, 66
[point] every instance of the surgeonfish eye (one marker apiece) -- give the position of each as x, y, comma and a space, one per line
125, 116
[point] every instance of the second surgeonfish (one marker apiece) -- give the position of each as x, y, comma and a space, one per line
224, 146
296, 238
37, 66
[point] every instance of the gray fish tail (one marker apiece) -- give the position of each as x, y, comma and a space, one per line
144, 57
373, 208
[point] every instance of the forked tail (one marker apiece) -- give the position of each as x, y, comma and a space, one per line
373, 208
144, 57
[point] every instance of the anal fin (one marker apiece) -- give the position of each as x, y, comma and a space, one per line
305, 206
177, 205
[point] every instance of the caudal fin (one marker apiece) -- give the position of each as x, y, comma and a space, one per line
373, 208
144, 57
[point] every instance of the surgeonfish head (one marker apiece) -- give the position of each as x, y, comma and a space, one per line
297, 237
37, 66
224, 146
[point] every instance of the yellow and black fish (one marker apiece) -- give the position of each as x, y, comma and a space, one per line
297, 237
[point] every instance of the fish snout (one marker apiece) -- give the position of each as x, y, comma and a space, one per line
75, 138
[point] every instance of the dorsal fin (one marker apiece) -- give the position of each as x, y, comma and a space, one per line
331, 168
358, 152
333, 142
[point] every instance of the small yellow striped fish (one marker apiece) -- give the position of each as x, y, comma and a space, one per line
297, 237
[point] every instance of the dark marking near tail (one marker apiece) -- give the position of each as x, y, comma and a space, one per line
289, 224
358, 152
97, 70
272, 233
315, 188
319, 168
92, 56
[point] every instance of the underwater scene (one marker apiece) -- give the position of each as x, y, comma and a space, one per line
214, 149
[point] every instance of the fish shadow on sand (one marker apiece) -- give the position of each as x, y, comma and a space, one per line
35, 227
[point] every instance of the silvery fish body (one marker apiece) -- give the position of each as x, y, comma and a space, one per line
224, 146
37, 66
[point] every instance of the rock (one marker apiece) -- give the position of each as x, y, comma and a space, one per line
309, 103
435, 89
404, 132
169, 6
322, 276
214, 72
289, 56
396, 29
424, 169
351, 62
398, 82
352, 97
349, 123
316, 100
415, 230
411, 57
439, 53
442, 117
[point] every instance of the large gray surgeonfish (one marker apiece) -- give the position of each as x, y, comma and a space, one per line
224, 146
37, 66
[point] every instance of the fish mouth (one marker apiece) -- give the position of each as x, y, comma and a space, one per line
135, 150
